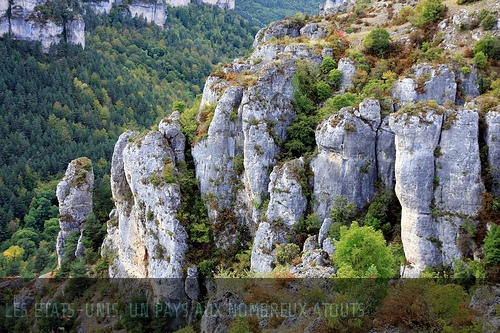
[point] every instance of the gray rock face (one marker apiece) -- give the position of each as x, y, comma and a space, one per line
225, 303
287, 203
346, 66
4, 19
492, 135
25, 23
346, 163
74, 193
278, 30
458, 179
144, 237
313, 31
263, 250
485, 301
335, 6
468, 85
234, 159
75, 31
152, 12
386, 153
430, 83
416, 140
438, 183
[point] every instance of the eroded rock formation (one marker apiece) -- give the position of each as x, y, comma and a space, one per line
144, 237
74, 193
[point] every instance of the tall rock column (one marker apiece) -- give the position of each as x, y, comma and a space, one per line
74, 193
417, 136
492, 137
457, 196
346, 162
144, 237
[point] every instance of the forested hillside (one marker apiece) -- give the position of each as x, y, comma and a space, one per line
71, 102
262, 12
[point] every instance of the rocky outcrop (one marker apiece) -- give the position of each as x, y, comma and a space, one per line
244, 114
491, 137
28, 22
74, 193
75, 31
416, 140
430, 83
144, 237
4, 18
485, 301
152, 12
438, 183
457, 181
315, 263
287, 205
348, 69
335, 6
346, 163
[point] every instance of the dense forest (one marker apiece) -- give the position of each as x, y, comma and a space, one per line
262, 12
71, 102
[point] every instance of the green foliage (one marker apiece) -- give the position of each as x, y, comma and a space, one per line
334, 78
263, 12
239, 325
489, 22
358, 249
328, 64
492, 245
42, 260
285, 253
307, 226
323, 91
378, 41
480, 60
334, 104
489, 46
42, 207
428, 11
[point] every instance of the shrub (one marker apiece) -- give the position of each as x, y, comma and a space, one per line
362, 250
489, 22
378, 41
323, 91
334, 104
285, 253
334, 78
480, 60
490, 46
428, 11
328, 64
492, 245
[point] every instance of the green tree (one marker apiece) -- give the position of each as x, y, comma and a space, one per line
362, 250
428, 11
480, 60
378, 41
42, 260
489, 46
492, 245
327, 65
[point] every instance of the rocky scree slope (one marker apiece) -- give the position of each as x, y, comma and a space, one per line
427, 152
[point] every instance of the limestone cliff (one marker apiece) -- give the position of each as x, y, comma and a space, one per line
26, 20
74, 193
144, 237
427, 152
438, 182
